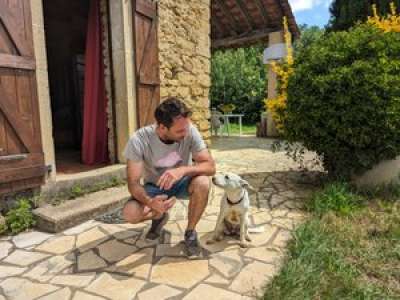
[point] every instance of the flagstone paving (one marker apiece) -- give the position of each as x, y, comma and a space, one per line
108, 259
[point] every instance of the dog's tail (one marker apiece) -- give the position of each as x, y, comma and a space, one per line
256, 229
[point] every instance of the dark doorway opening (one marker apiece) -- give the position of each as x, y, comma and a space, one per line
66, 23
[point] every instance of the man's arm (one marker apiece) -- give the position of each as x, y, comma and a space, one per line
204, 165
134, 173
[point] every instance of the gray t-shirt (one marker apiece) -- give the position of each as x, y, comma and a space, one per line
145, 146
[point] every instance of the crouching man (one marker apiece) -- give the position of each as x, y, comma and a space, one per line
163, 154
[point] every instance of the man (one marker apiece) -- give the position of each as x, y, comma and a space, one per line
162, 153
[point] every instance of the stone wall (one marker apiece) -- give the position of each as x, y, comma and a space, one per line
185, 53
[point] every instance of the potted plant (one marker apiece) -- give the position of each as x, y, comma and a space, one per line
227, 108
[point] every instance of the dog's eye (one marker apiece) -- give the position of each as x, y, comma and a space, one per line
226, 177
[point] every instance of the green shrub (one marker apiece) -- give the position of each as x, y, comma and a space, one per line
344, 99
336, 197
20, 218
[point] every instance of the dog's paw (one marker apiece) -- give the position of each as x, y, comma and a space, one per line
210, 242
219, 238
244, 245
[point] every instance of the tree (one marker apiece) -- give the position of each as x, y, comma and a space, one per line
308, 35
238, 76
345, 13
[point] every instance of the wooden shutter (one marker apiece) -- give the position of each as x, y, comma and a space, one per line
147, 61
21, 155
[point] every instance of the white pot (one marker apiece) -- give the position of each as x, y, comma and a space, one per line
385, 172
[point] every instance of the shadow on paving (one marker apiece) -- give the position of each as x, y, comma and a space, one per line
109, 245
122, 248
108, 257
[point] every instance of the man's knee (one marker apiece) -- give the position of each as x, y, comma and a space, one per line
132, 212
200, 184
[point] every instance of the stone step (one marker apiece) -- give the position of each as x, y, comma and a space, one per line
65, 182
73, 212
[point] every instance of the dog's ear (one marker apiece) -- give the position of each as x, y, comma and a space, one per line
246, 184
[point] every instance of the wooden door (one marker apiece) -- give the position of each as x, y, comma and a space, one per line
21, 155
147, 61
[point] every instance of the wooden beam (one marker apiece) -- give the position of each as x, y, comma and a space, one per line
263, 11
146, 8
23, 129
17, 62
30, 160
226, 11
10, 175
225, 30
217, 25
244, 39
279, 3
245, 13
13, 30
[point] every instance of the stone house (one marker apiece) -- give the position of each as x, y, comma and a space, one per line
133, 54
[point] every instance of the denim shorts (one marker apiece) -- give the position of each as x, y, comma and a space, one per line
179, 190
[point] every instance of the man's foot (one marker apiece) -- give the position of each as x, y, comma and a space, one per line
192, 245
156, 227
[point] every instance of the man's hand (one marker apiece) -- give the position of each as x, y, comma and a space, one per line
169, 203
158, 204
170, 177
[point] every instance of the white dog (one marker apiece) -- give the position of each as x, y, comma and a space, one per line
234, 210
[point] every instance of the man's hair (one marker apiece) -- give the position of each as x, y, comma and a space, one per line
170, 109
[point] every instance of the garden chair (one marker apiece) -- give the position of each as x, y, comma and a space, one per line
217, 122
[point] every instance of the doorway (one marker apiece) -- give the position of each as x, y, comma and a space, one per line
66, 26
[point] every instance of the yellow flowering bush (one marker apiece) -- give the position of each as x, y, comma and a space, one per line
391, 23
277, 106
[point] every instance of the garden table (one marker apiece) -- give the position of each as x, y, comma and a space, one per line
231, 116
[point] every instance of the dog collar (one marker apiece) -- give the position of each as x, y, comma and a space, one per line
234, 203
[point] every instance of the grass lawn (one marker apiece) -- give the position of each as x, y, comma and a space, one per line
246, 129
349, 249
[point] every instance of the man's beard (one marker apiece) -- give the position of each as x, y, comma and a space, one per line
168, 140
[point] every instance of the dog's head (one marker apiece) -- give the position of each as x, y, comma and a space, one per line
230, 182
